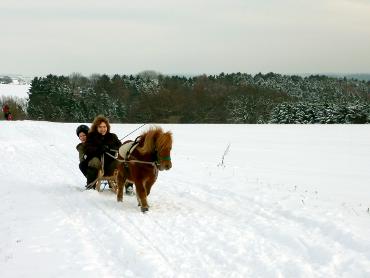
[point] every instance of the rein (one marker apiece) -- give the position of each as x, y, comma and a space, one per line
131, 132
153, 163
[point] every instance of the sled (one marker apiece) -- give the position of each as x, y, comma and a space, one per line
111, 180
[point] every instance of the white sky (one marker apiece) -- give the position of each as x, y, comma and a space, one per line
118, 36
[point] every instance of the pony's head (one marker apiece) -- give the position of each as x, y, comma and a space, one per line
160, 143
163, 148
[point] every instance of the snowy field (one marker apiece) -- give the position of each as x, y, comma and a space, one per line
290, 201
14, 90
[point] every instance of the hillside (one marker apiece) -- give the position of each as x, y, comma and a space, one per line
290, 201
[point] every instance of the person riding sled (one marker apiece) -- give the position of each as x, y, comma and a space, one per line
100, 149
82, 131
99, 142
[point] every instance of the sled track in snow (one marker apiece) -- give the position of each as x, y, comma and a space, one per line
129, 236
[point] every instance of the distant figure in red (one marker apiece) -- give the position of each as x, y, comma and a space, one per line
7, 115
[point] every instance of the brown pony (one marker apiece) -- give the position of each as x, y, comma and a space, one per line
141, 167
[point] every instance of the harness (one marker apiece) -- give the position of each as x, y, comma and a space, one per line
153, 163
126, 150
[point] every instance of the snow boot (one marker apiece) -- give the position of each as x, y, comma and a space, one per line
91, 175
129, 190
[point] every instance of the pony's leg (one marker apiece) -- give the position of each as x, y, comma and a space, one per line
141, 195
120, 183
148, 186
138, 199
149, 183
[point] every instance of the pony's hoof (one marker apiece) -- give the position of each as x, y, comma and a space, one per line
144, 210
119, 199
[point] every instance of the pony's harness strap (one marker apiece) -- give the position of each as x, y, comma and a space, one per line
132, 160
127, 148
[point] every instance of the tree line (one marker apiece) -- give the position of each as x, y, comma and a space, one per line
223, 98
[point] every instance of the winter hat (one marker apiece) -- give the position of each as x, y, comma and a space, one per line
82, 128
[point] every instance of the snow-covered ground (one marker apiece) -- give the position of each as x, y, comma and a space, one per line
14, 90
290, 201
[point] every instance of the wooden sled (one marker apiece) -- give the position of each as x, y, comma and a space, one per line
111, 180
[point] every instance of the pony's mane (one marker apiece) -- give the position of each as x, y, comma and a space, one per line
155, 139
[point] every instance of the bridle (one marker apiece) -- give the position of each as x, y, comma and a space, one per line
161, 158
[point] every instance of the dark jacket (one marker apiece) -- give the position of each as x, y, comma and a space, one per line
96, 145
81, 151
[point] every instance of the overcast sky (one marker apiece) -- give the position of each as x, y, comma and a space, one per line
38, 37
